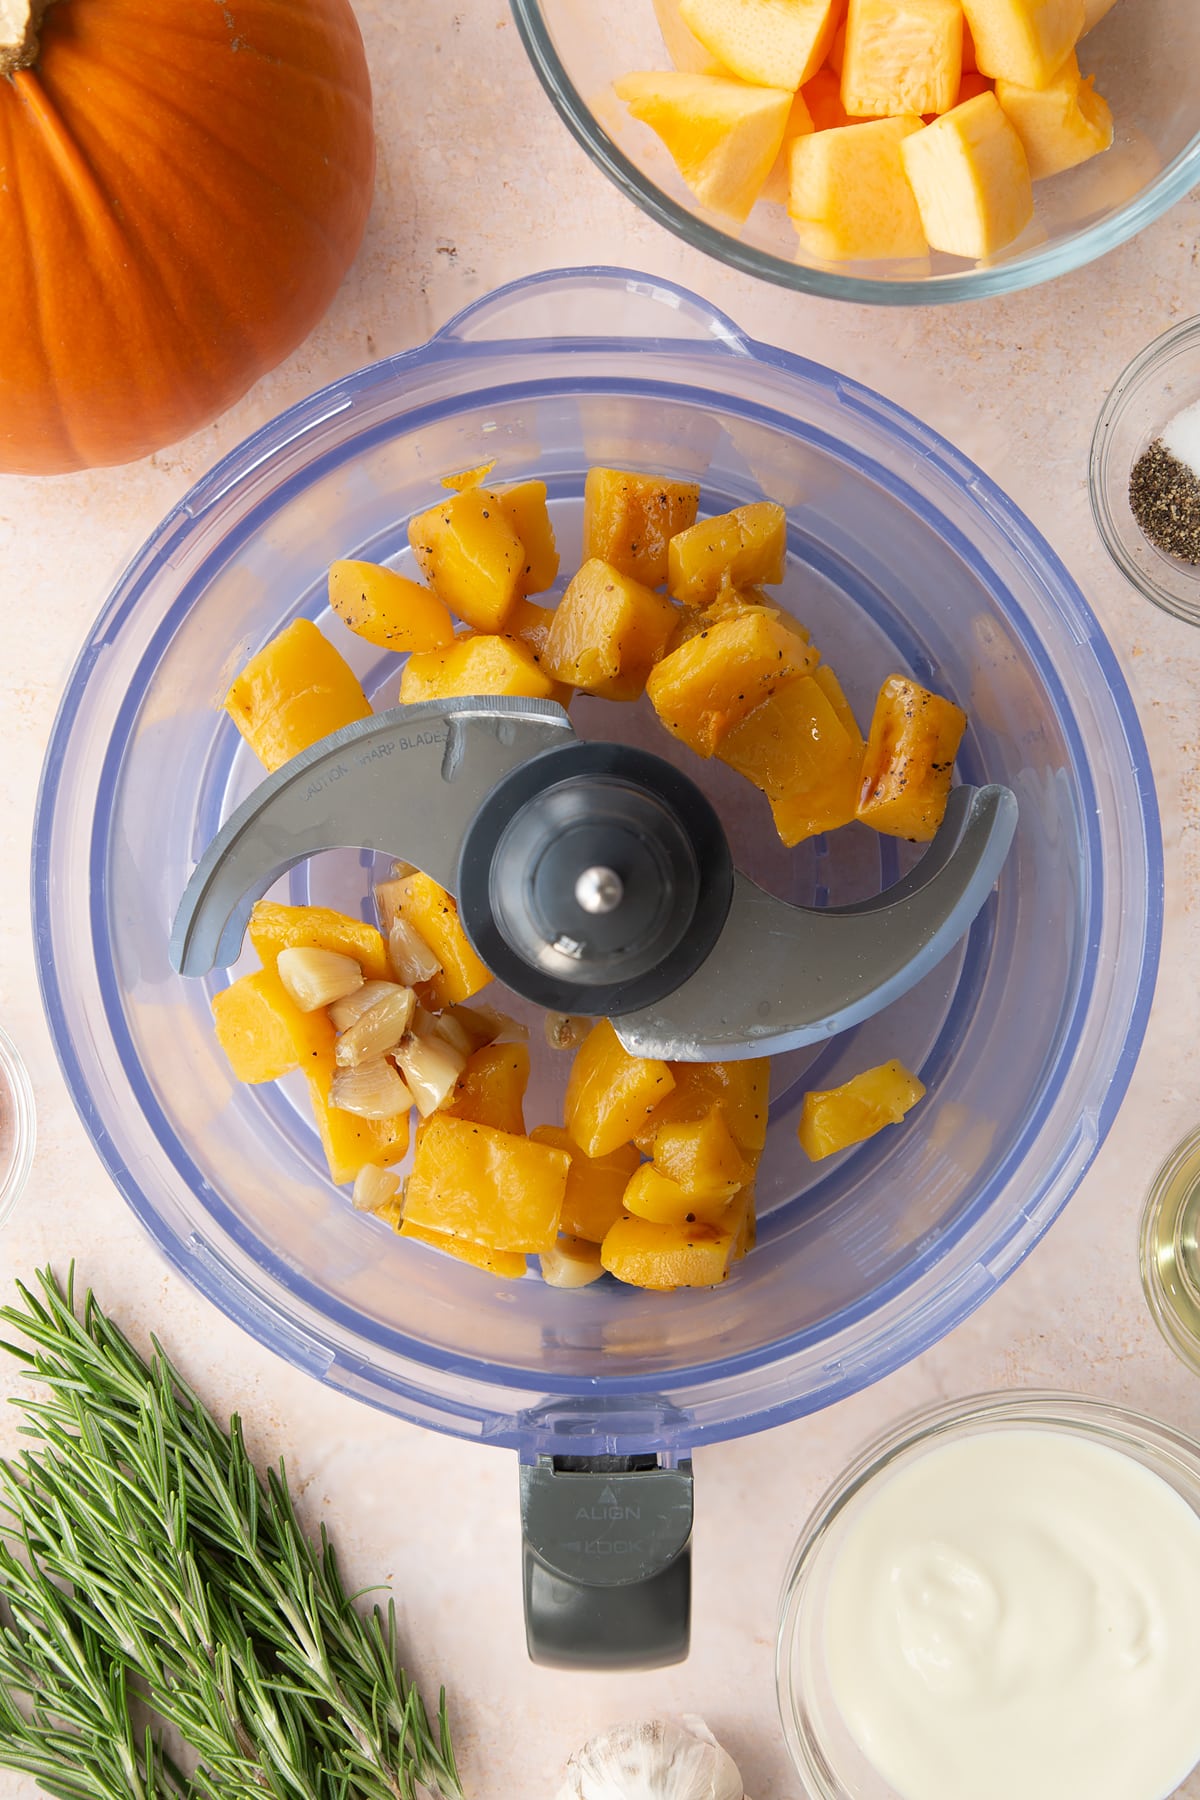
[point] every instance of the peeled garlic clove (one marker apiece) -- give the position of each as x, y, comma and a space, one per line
373, 1188
371, 1090
378, 1030
653, 1759
410, 956
571, 1263
345, 1013
316, 978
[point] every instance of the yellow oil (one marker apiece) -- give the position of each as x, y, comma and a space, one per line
1171, 1250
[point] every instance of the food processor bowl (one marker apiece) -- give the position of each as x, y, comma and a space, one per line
903, 555
1141, 55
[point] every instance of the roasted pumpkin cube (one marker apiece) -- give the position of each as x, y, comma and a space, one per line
831, 687
909, 760
491, 1088
653, 1195
739, 1219
477, 664
467, 548
388, 609
629, 519
701, 1155
524, 506
794, 741
530, 624
649, 1255
510, 1264
350, 1143
739, 1088
294, 693
831, 1119
1024, 40
275, 927
609, 1092
902, 57
432, 913
596, 1185
491, 1187
263, 1032
709, 684
735, 549
607, 633
723, 136
468, 478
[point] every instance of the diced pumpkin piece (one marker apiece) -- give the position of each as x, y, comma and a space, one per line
832, 689
609, 1092
629, 519
491, 1187
971, 85
778, 43
507, 1263
481, 663
467, 549
702, 1155
795, 741
1059, 125
970, 63
571, 1263
294, 693
491, 1088
662, 1257
530, 624
722, 135
468, 478
735, 549
1023, 40
739, 1219
970, 177
524, 506
262, 1031
388, 609
275, 927
432, 913
836, 59
848, 194
653, 1195
909, 760
607, 633
738, 1088
684, 49
832, 1119
1093, 12
705, 687
350, 1143
799, 124
823, 98
902, 57
595, 1184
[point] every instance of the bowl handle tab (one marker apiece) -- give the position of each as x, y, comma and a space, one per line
593, 303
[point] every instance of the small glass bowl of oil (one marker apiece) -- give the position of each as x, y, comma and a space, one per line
1170, 1251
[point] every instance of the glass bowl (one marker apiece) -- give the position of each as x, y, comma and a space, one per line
829, 1762
902, 554
1157, 385
1142, 55
17, 1126
1170, 1250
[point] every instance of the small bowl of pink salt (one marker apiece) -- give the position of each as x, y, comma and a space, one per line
16, 1125
1145, 472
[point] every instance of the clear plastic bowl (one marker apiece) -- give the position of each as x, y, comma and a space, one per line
828, 1760
17, 1126
1143, 55
902, 555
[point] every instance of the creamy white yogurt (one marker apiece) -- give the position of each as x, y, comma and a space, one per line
1016, 1616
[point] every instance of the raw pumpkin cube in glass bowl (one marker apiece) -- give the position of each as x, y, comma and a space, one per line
1137, 61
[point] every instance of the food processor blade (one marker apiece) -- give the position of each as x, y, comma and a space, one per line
595, 879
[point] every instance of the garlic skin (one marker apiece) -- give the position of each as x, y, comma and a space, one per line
653, 1759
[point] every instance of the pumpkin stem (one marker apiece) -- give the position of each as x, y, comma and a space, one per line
20, 23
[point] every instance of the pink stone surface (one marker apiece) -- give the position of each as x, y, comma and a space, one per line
479, 184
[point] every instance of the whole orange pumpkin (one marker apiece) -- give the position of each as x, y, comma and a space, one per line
183, 185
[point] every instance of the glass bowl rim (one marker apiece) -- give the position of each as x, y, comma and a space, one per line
1074, 252
18, 1091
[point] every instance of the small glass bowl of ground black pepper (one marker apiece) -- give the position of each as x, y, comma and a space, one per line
1145, 472
16, 1126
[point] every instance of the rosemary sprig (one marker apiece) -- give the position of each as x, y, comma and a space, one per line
151, 1577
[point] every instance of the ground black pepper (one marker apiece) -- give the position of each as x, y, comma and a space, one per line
1164, 496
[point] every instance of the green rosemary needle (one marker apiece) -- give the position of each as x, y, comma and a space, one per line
151, 1578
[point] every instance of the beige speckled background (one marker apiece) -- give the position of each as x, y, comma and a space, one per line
1017, 383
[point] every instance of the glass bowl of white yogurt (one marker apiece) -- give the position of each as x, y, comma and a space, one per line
1000, 1598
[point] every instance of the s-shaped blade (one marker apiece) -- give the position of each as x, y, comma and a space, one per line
405, 782
782, 976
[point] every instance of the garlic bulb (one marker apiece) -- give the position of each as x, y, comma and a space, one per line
653, 1760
